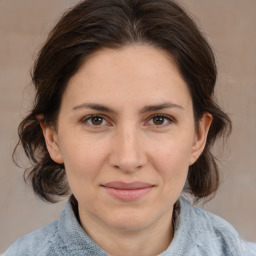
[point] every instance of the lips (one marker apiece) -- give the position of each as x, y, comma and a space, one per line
128, 191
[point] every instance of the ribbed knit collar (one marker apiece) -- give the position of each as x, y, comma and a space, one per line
78, 243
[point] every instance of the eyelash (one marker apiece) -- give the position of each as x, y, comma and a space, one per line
167, 118
85, 120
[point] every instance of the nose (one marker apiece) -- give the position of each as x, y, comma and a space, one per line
127, 154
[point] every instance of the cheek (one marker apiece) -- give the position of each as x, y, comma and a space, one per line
171, 159
173, 152
83, 160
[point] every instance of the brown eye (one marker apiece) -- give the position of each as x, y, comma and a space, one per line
97, 120
94, 120
158, 120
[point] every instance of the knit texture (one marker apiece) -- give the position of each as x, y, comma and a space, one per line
197, 233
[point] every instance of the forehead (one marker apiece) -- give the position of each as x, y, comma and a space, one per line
144, 73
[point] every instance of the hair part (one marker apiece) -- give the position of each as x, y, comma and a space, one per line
95, 24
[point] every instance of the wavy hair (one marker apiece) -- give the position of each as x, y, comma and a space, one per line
94, 24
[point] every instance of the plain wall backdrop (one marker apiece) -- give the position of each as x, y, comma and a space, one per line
230, 28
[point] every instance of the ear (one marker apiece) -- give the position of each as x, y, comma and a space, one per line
51, 140
200, 137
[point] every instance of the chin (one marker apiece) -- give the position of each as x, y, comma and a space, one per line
131, 220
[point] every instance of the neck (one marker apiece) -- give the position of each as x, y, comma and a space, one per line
147, 241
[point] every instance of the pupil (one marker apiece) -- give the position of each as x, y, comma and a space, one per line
158, 120
97, 120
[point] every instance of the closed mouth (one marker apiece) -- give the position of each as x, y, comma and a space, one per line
128, 191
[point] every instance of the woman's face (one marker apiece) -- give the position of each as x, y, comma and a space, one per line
126, 135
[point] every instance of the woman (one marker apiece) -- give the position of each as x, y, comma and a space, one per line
124, 120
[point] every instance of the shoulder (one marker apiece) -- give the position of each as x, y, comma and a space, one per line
212, 234
38, 242
64, 237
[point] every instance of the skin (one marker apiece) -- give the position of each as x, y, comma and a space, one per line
127, 144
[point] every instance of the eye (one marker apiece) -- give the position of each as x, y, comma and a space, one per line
160, 120
94, 120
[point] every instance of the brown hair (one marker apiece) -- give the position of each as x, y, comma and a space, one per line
94, 24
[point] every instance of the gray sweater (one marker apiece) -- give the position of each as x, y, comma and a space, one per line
197, 233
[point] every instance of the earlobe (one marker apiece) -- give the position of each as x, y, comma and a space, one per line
51, 141
200, 137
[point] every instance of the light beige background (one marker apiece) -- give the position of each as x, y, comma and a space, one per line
230, 26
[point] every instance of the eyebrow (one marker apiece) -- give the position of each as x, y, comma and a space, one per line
94, 106
145, 109
159, 107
